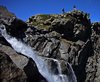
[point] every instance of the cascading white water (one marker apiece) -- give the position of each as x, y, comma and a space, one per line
40, 61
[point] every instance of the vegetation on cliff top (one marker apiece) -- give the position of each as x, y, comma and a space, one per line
44, 21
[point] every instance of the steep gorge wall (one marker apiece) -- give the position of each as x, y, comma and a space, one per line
67, 37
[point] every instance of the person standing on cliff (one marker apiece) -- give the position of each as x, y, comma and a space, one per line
63, 10
74, 7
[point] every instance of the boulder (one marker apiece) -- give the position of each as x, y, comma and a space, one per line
9, 72
17, 66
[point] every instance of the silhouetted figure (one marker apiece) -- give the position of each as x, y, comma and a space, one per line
74, 7
63, 10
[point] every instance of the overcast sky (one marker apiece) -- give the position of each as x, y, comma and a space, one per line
23, 9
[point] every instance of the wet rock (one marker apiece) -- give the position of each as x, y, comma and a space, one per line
63, 26
53, 66
57, 66
32, 72
3, 41
17, 28
18, 67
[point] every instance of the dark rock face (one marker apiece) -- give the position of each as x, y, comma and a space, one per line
72, 26
93, 63
17, 28
32, 74
64, 27
3, 41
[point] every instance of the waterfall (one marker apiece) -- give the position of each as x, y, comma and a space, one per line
41, 63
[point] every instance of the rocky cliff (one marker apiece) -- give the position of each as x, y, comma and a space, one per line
14, 66
68, 37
